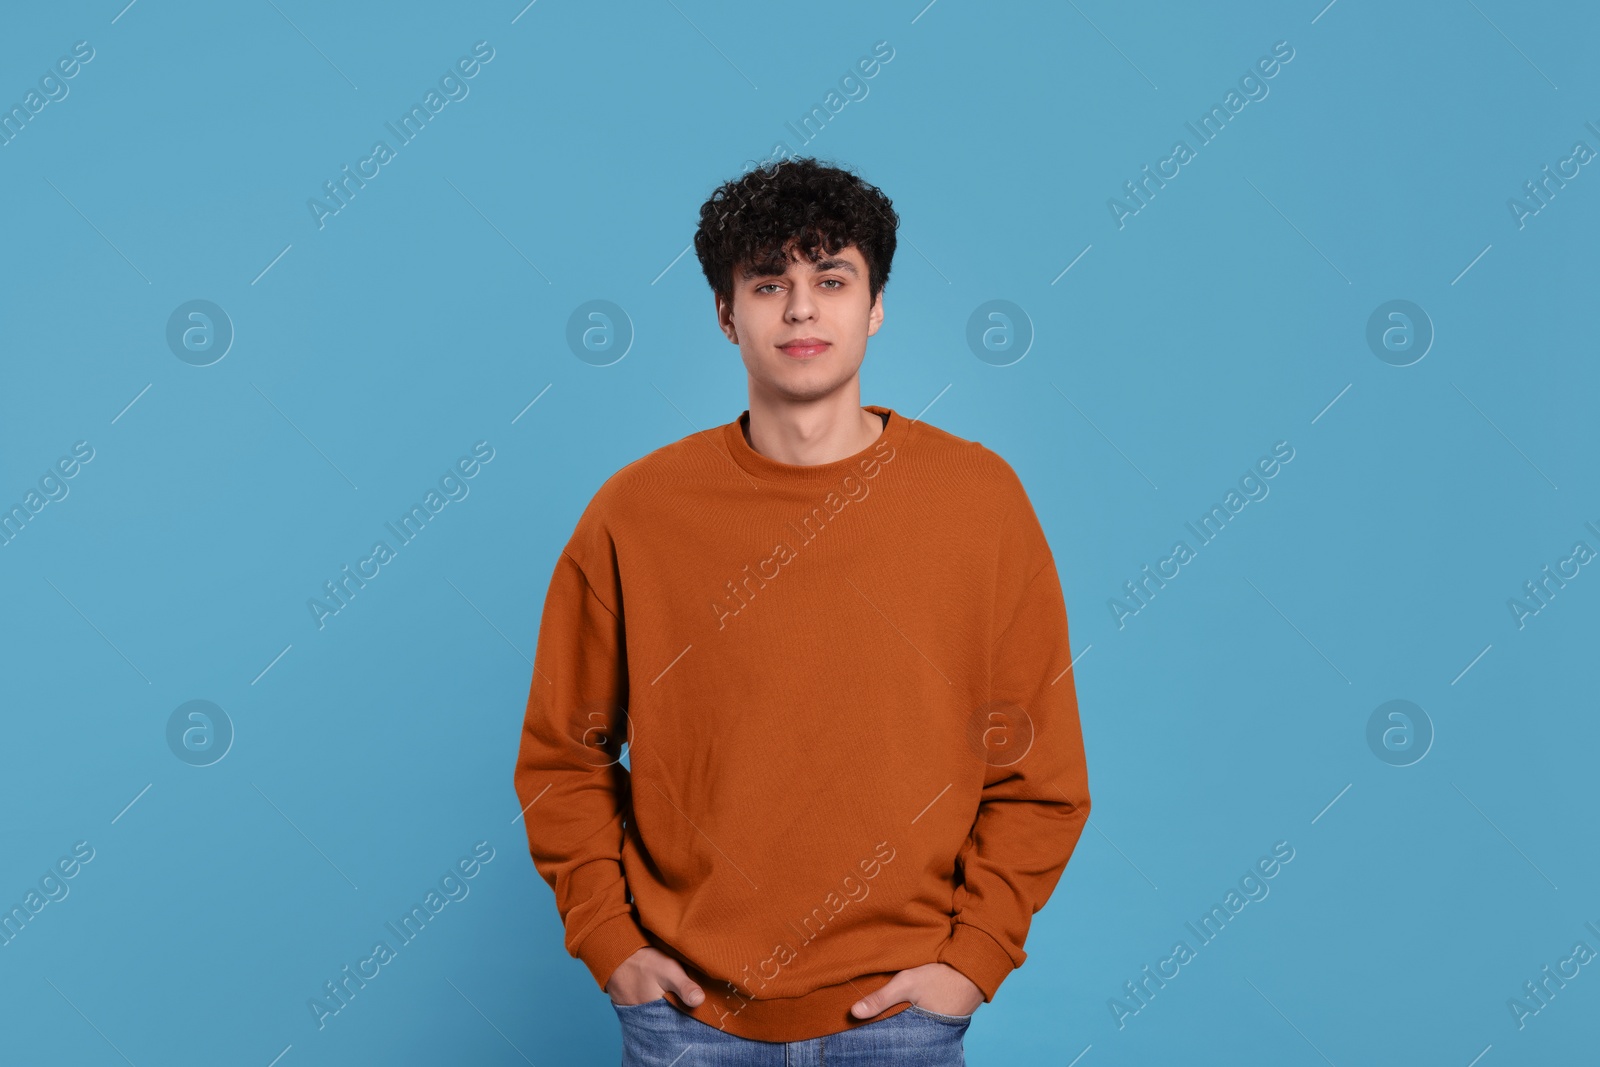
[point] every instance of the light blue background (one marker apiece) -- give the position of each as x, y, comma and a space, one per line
1230, 313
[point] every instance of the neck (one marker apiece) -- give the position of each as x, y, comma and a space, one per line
809, 434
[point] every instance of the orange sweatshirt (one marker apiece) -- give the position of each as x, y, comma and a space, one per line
852, 732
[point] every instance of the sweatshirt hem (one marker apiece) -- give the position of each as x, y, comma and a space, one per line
821, 1012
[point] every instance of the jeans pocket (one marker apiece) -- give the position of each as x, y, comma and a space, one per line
647, 1004
954, 1020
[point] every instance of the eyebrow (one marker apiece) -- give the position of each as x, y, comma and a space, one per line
832, 263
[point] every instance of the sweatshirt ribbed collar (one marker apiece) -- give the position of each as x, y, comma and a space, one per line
754, 462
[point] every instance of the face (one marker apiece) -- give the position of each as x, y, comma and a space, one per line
824, 302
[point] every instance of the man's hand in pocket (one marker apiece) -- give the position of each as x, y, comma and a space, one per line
937, 987
650, 974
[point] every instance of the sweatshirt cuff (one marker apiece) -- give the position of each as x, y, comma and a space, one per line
978, 956
608, 945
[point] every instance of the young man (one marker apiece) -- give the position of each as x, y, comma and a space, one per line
835, 643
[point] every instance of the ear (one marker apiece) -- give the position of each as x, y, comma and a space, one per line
725, 319
875, 315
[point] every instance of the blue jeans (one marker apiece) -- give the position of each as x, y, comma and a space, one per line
656, 1034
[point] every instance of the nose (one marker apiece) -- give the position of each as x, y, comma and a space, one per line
800, 306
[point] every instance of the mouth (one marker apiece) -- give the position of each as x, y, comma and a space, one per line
804, 348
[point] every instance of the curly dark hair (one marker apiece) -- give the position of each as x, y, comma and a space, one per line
753, 219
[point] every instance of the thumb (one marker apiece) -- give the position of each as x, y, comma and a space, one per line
686, 989
885, 996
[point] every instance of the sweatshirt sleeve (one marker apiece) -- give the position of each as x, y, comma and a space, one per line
1035, 799
569, 779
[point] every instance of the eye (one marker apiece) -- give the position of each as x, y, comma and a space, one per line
767, 285
835, 281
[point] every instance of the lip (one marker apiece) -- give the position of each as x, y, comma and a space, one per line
804, 347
